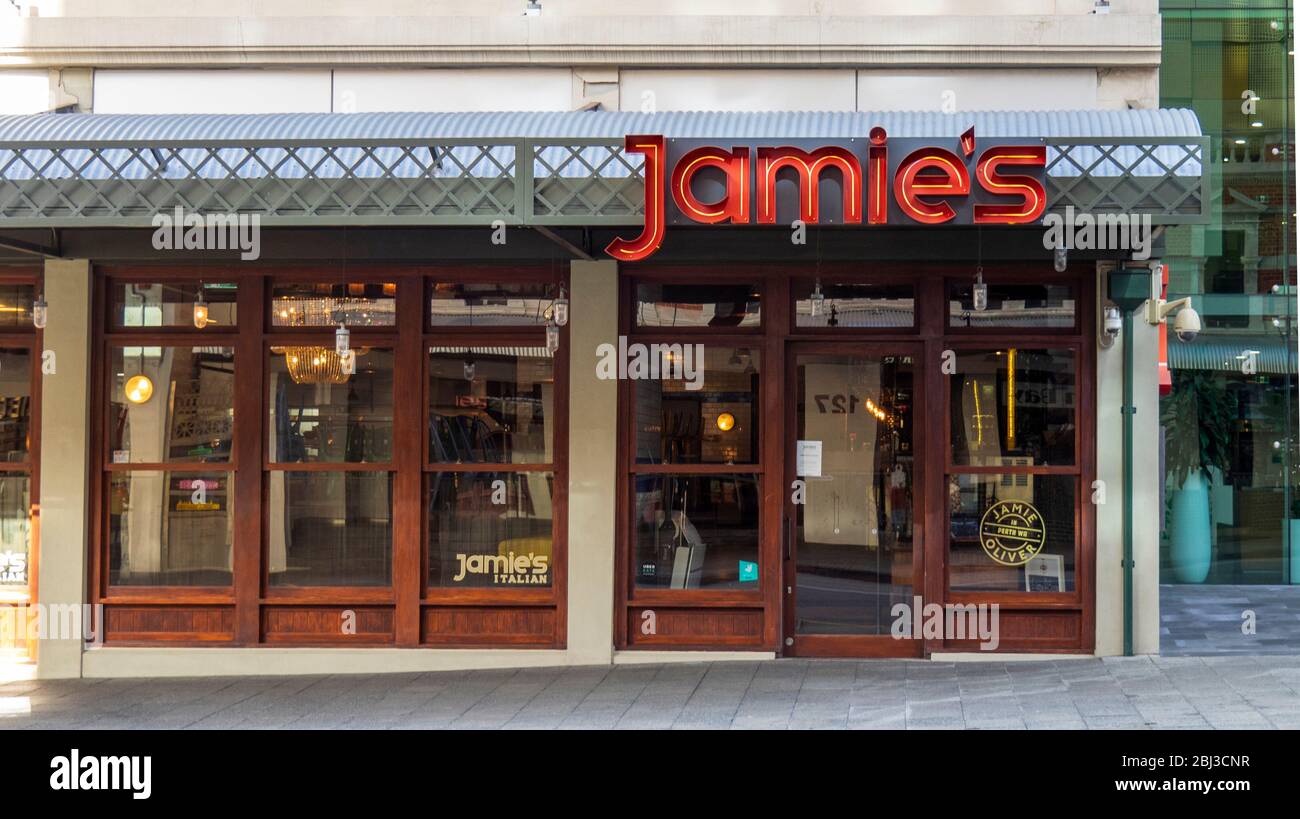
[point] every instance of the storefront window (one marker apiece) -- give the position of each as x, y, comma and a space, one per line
855, 305
16, 306
322, 411
703, 410
491, 529
490, 304
15, 532
171, 404
172, 304
1013, 407
330, 528
15, 404
170, 528
491, 405
1011, 532
696, 531
1012, 305
354, 304
1231, 477
716, 306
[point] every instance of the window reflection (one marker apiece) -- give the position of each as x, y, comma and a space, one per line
1013, 407
171, 404
491, 405
696, 531
321, 413
1012, 305
329, 528
170, 528
697, 305
171, 304
15, 531
16, 305
861, 305
490, 529
490, 304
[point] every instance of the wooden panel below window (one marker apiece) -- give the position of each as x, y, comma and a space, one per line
695, 627
1039, 630
327, 624
169, 624
488, 626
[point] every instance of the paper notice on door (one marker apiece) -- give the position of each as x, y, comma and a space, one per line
808, 459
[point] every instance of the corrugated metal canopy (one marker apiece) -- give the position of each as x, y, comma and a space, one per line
1227, 352
1178, 122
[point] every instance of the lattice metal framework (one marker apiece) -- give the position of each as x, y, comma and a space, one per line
476, 182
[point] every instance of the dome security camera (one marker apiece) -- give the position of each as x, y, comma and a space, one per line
1187, 324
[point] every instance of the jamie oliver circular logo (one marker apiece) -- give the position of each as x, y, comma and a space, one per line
1011, 532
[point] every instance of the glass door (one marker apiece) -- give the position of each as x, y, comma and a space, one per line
852, 537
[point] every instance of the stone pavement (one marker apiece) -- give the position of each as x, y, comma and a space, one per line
1142, 692
1207, 619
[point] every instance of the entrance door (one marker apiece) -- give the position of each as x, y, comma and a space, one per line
852, 525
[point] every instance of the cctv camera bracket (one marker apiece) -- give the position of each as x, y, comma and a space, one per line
1158, 309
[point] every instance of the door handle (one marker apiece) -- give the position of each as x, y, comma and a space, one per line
787, 536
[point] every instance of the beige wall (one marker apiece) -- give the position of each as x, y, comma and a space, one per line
65, 451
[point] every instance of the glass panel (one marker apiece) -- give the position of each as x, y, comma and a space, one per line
503, 413
708, 413
171, 404
15, 403
696, 532
697, 305
490, 529
1012, 305
355, 304
171, 304
170, 528
15, 531
472, 304
1231, 488
329, 528
321, 414
855, 528
1013, 408
16, 306
1011, 532
854, 305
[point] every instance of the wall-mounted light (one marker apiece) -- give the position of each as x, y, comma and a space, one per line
560, 309
40, 312
552, 337
1060, 258
200, 310
470, 367
726, 421
138, 389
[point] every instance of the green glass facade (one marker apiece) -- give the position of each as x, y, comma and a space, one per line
1232, 468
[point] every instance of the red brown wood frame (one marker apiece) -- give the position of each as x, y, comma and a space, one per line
250, 612
703, 619
28, 337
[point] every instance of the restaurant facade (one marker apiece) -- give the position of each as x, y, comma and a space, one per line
327, 392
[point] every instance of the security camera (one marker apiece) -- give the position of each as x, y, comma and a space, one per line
1187, 324
1112, 322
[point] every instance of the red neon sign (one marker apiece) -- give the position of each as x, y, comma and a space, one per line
930, 186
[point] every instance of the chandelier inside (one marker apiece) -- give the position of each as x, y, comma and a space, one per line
315, 365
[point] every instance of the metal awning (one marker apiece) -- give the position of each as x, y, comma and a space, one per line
1227, 352
539, 168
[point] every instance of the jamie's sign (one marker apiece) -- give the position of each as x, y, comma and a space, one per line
876, 181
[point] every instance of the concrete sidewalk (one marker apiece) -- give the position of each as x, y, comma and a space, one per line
1142, 692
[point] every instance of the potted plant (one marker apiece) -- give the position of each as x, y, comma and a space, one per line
1198, 416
